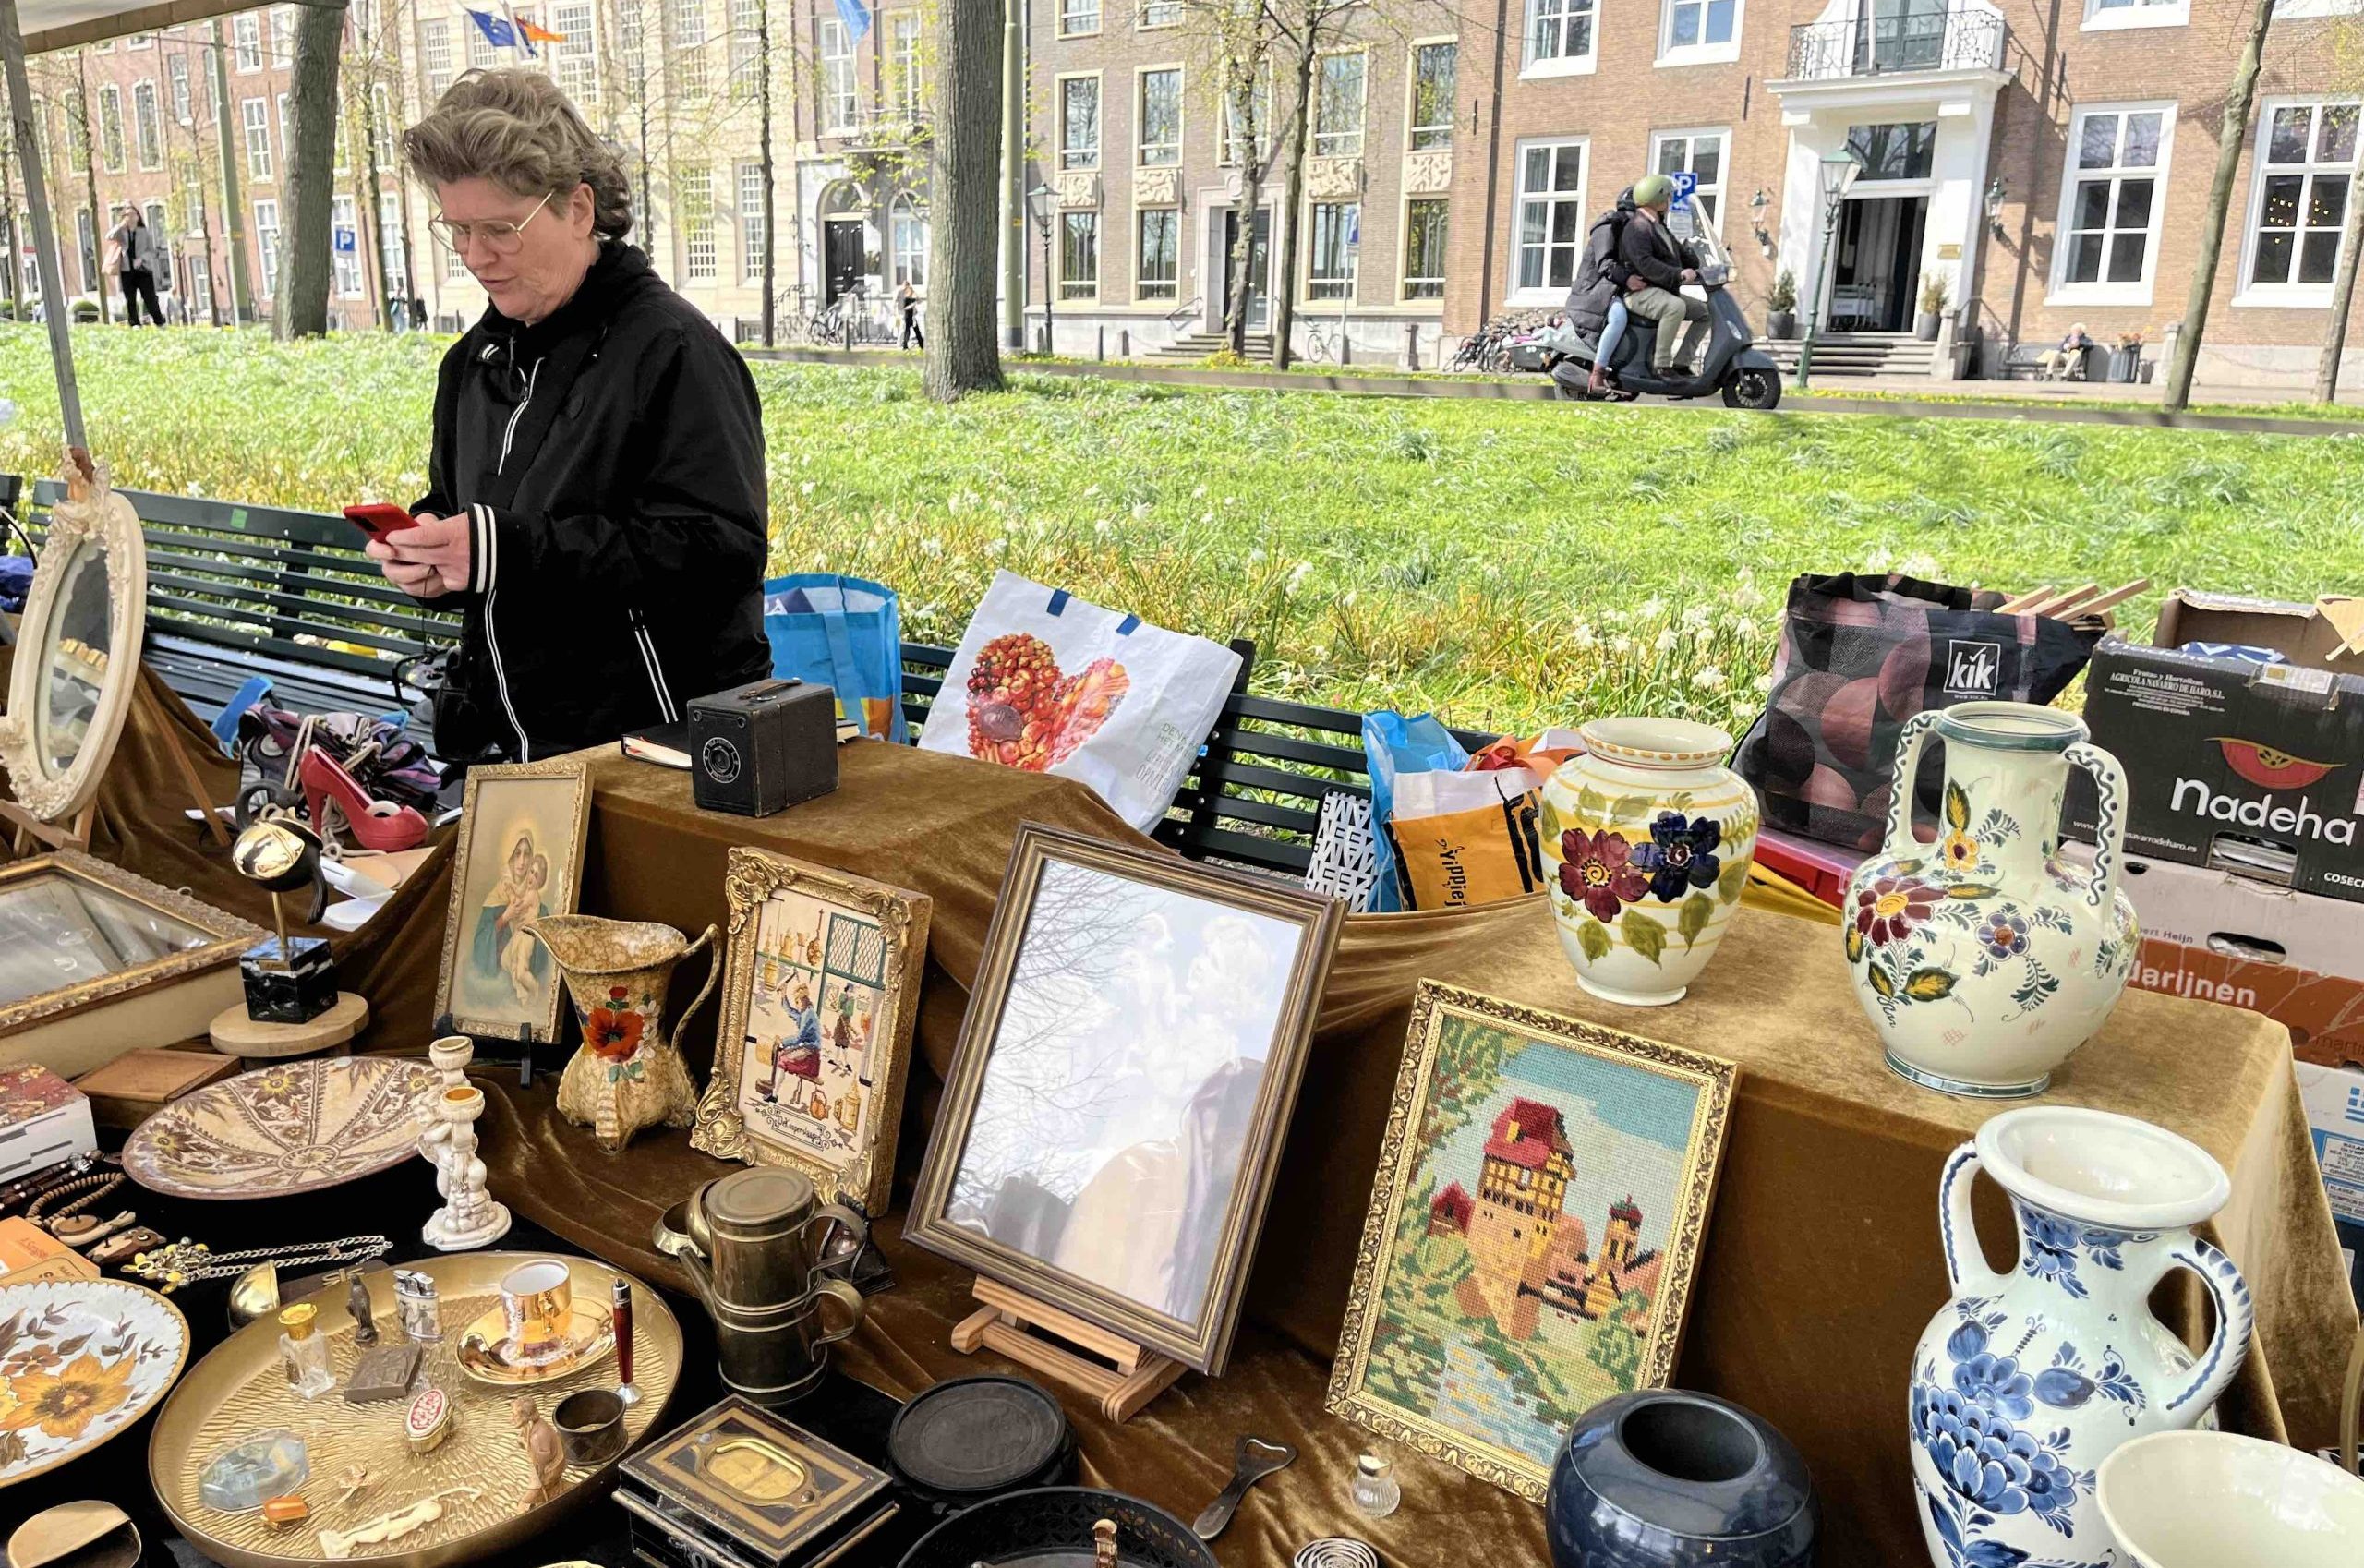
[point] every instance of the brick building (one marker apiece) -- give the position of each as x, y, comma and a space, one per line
2047, 163
1131, 142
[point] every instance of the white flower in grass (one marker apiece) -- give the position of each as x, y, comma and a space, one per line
1091, 491
1349, 600
1709, 678
1765, 684
1585, 636
1199, 493
1255, 556
807, 487
930, 545
1665, 641
1698, 616
997, 547
1206, 517
1621, 643
1297, 575
1652, 607
1140, 512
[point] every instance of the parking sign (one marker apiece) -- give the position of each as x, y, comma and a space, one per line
1685, 181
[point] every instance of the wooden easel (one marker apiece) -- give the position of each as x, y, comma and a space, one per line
1121, 1375
75, 833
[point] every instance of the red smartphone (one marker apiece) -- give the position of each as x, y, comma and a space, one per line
378, 519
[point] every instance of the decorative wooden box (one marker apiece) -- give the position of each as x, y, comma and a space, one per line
739, 1488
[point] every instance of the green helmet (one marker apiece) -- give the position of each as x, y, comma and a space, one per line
1652, 190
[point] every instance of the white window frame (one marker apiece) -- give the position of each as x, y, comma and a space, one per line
435, 55
2304, 296
1099, 120
112, 160
1082, 288
1412, 93
1330, 291
1151, 15
1562, 64
283, 37
153, 130
701, 255
840, 106
267, 248
245, 45
254, 119
1140, 116
1545, 292
2064, 291
345, 212
685, 41
141, 41
1226, 155
1147, 288
1080, 18
381, 108
1689, 136
2138, 13
908, 32
286, 131
1405, 277
745, 19
751, 237
575, 63
393, 268
182, 104
1701, 53
2301, 10
1362, 107
907, 241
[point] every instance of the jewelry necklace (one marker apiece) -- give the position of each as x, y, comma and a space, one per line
186, 1261
44, 1211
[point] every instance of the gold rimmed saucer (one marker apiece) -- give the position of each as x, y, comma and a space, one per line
487, 1354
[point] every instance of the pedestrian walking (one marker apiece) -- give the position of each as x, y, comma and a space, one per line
907, 299
138, 256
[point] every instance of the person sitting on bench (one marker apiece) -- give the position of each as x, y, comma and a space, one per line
2065, 363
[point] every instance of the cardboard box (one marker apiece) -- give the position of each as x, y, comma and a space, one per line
2334, 1100
2231, 762
29, 1252
2324, 1013
43, 1121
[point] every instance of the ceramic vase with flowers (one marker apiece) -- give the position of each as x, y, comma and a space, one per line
1648, 836
627, 1074
1984, 959
2028, 1379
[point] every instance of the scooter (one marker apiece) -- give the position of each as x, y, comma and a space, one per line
1730, 362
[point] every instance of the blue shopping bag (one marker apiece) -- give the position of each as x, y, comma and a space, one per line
1395, 744
845, 634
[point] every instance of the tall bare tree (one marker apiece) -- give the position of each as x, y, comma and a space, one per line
233, 217
78, 114
1235, 40
2239, 101
303, 303
964, 190
8, 212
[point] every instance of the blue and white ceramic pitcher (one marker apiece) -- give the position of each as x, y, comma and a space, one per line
2027, 1381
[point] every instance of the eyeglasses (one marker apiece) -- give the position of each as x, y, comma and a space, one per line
500, 237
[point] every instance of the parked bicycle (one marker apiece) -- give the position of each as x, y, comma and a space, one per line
1487, 350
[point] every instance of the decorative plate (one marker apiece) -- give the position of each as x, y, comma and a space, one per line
291, 1126
80, 1361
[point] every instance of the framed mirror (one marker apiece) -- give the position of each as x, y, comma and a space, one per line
78, 651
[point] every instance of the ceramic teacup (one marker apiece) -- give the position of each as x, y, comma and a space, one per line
2213, 1499
590, 1426
537, 1307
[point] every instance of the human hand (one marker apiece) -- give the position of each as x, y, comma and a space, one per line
1635, 283
1691, 274
427, 559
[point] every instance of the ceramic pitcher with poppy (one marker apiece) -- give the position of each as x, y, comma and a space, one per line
1981, 956
1647, 840
627, 1074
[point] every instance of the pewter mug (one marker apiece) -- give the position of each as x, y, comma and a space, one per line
754, 1243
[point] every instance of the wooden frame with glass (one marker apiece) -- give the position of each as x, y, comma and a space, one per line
519, 857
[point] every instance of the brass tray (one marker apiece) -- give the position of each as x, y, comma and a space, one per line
240, 1390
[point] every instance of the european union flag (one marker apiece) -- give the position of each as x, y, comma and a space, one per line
856, 15
497, 31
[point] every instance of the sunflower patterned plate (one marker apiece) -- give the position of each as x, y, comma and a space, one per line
291, 1126
80, 1361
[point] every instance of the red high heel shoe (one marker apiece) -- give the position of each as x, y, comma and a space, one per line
377, 824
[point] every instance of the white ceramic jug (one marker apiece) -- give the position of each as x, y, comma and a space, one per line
2027, 1381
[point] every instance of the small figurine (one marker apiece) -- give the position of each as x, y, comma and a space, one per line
1103, 1543
351, 1484
393, 1525
542, 1450
356, 1301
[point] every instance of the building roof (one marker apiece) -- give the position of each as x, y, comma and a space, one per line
1626, 1211
1455, 1204
1527, 1134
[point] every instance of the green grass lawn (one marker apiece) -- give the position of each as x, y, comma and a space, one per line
1505, 563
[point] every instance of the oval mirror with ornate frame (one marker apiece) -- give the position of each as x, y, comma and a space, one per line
78, 649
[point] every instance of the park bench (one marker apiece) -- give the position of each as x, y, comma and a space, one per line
2022, 364
237, 591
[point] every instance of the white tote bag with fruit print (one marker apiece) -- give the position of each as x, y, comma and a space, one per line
1046, 681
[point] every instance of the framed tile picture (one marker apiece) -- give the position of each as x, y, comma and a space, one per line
821, 987
1543, 1194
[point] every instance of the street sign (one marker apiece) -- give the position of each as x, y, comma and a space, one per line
1685, 181
345, 243
1355, 225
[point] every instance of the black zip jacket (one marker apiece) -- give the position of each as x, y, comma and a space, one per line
610, 460
1649, 250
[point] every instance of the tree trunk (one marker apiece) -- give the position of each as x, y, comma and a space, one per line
1292, 198
763, 100
1240, 263
365, 208
964, 189
367, 248
305, 267
2343, 297
234, 216
95, 259
8, 213
394, 57
2237, 103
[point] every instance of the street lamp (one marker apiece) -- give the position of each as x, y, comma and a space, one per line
1757, 206
1994, 194
1038, 202
1836, 175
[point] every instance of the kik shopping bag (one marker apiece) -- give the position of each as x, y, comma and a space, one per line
844, 633
1050, 682
1859, 656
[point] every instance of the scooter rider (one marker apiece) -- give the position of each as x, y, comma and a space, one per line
1595, 304
1649, 250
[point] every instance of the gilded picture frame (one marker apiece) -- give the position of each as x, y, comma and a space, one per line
1478, 1295
227, 936
858, 965
1113, 1119
548, 804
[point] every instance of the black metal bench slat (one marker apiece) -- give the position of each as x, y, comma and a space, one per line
224, 516
293, 611
197, 555
246, 642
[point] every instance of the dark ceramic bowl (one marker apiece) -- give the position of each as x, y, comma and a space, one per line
1051, 1527
1662, 1478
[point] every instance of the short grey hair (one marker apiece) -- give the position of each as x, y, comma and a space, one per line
518, 130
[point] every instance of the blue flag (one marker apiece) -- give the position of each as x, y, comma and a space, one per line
856, 15
497, 31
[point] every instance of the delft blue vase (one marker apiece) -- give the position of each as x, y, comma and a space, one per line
2027, 1379
1664, 1478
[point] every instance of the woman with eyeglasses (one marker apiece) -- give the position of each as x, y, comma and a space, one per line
597, 499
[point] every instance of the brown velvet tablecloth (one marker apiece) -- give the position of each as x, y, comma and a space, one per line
1822, 1262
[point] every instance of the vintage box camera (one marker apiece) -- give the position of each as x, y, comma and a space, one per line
763, 747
